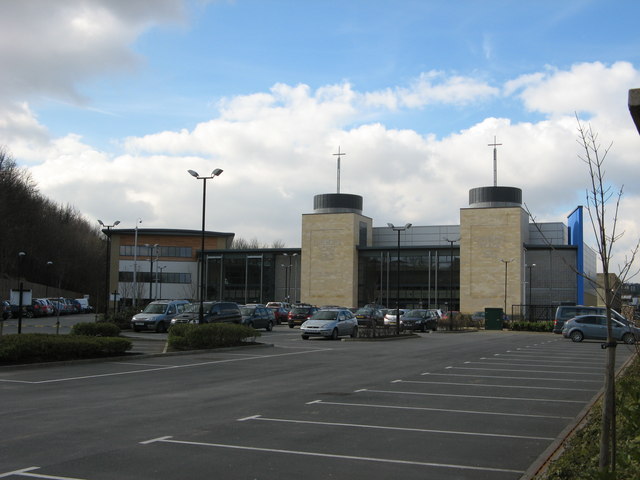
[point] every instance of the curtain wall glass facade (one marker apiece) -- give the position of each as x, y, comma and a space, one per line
421, 278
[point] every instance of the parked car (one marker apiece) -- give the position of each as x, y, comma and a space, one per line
84, 305
157, 315
213, 312
281, 314
420, 319
300, 314
594, 327
257, 317
566, 312
284, 305
40, 307
392, 313
332, 323
369, 316
59, 307
6, 309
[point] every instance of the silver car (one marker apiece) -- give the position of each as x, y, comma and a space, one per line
595, 327
332, 323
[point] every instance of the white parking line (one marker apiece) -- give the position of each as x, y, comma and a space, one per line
521, 370
564, 389
487, 397
338, 457
430, 409
147, 370
547, 379
382, 427
565, 369
25, 473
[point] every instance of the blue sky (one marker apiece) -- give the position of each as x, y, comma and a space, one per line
125, 96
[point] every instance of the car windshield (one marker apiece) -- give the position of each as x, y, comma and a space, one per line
365, 311
415, 313
325, 315
300, 310
195, 307
247, 310
155, 308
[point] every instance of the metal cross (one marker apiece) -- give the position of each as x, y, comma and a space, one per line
339, 155
495, 161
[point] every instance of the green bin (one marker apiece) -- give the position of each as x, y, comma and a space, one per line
493, 319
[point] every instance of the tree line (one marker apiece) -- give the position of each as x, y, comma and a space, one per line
44, 242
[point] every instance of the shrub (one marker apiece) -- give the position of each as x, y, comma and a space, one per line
38, 347
521, 325
122, 318
99, 329
188, 336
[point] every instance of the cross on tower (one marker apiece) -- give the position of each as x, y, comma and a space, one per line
495, 161
339, 155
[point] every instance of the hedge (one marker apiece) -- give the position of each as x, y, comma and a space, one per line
39, 347
96, 329
187, 336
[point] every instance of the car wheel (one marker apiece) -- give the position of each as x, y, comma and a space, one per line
269, 326
291, 325
576, 336
354, 332
28, 314
305, 337
628, 338
434, 328
334, 334
136, 329
423, 328
160, 327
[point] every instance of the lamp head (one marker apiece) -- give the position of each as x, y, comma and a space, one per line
117, 222
193, 173
390, 225
216, 172
408, 225
100, 222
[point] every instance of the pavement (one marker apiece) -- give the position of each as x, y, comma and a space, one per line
146, 344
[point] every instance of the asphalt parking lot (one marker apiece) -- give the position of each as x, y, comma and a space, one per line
482, 405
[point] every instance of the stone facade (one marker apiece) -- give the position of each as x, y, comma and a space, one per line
329, 264
488, 238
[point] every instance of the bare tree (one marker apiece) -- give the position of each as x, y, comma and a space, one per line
604, 222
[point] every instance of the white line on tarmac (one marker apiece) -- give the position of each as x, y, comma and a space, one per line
547, 379
554, 367
520, 370
423, 394
341, 457
146, 370
382, 427
564, 389
25, 473
429, 409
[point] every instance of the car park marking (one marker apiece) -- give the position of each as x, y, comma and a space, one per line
532, 365
486, 397
383, 427
25, 472
547, 379
335, 456
430, 409
158, 369
520, 370
564, 389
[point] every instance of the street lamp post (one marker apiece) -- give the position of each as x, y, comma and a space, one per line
108, 269
21, 256
135, 265
152, 249
451, 242
398, 229
46, 287
530, 302
506, 268
195, 174
160, 279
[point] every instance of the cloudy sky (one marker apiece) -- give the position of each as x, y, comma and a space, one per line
109, 102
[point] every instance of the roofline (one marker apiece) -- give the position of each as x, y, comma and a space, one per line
166, 232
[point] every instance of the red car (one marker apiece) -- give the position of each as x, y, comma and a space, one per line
281, 314
300, 313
